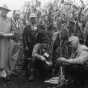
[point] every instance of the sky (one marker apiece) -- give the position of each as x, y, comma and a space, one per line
17, 4
13, 4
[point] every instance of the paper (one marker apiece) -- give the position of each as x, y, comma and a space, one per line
46, 54
6, 34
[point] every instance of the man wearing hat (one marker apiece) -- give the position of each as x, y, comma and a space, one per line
76, 66
5, 36
29, 39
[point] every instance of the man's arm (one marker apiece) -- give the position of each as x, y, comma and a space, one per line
79, 60
35, 52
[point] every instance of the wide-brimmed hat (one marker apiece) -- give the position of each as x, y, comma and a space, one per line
73, 38
4, 7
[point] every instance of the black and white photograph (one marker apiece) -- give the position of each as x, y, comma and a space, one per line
43, 44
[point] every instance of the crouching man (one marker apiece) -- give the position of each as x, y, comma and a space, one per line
76, 66
41, 61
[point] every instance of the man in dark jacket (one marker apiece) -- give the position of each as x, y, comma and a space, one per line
29, 36
29, 40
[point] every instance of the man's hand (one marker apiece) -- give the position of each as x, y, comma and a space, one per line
49, 63
63, 61
42, 58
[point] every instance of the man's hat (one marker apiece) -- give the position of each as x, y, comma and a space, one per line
4, 7
73, 38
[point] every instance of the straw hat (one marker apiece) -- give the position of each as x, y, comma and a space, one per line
4, 7
73, 39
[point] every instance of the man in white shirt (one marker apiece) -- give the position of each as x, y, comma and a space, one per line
5, 36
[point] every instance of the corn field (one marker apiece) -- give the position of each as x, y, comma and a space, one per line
65, 18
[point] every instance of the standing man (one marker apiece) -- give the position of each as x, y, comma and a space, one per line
29, 40
29, 36
5, 36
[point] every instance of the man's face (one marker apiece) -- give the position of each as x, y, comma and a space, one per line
33, 20
4, 13
74, 44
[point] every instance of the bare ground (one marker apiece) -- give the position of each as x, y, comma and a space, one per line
20, 82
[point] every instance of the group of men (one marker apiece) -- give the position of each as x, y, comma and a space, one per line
38, 51
39, 47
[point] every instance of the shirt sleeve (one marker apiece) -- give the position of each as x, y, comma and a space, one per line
81, 59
